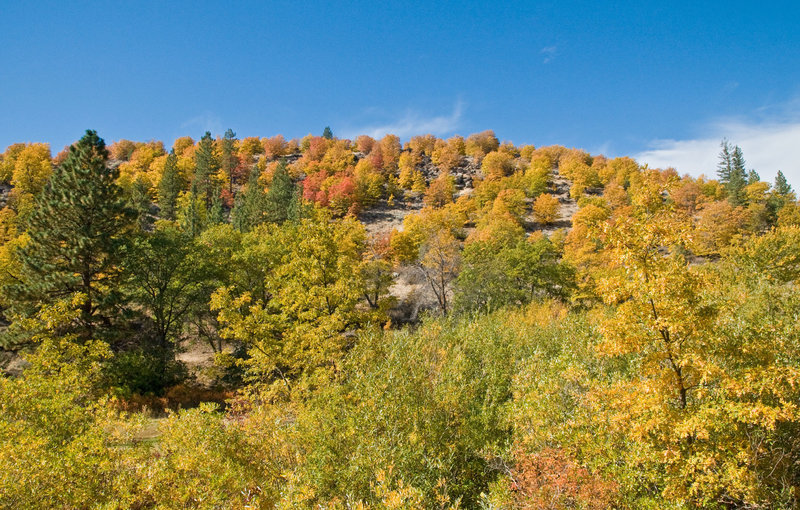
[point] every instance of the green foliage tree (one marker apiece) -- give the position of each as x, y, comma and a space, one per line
169, 188
327, 133
281, 201
191, 214
228, 159
780, 197
250, 208
206, 166
140, 202
517, 271
314, 284
421, 404
77, 231
737, 179
171, 278
782, 186
216, 213
725, 165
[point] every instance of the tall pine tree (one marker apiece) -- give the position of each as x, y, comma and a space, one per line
782, 186
216, 213
725, 164
140, 202
228, 159
169, 188
781, 195
76, 230
206, 167
737, 179
280, 202
250, 207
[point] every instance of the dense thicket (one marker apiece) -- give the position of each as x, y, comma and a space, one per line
594, 334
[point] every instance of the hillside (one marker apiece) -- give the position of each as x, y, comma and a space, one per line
333, 323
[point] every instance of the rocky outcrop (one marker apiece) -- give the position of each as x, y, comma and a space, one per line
5, 190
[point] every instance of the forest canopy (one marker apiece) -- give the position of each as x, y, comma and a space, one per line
376, 323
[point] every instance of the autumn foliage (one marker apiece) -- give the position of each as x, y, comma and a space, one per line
393, 324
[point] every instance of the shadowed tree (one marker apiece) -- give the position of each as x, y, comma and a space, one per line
205, 169
170, 278
250, 207
228, 159
169, 188
281, 201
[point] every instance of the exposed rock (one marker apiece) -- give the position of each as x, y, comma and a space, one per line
5, 190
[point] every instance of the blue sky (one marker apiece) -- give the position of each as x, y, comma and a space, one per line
661, 81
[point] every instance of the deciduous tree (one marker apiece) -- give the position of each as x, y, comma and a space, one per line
545, 209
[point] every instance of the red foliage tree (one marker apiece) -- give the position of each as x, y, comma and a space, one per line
342, 197
551, 479
313, 188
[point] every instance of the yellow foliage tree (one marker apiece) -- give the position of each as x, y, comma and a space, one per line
390, 150
183, 146
497, 164
447, 155
32, 168
7, 160
704, 395
718, 225
480, 144
545, 208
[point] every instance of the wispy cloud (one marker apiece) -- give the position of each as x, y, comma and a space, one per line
413, 123
204, 122
769, 142
549, 53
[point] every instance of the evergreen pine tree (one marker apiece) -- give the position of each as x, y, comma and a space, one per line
191, 213
725, 164
782, 186
737, 179
327, 133
76, 231
781, 195
140, 202
228, 160
169, 188
206, 167
753, 177
281, 195
216, 214
737, 162
250, 207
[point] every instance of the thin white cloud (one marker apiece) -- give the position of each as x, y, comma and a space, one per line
413, 123
768, 145
204, 122
549, 53
730, 87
